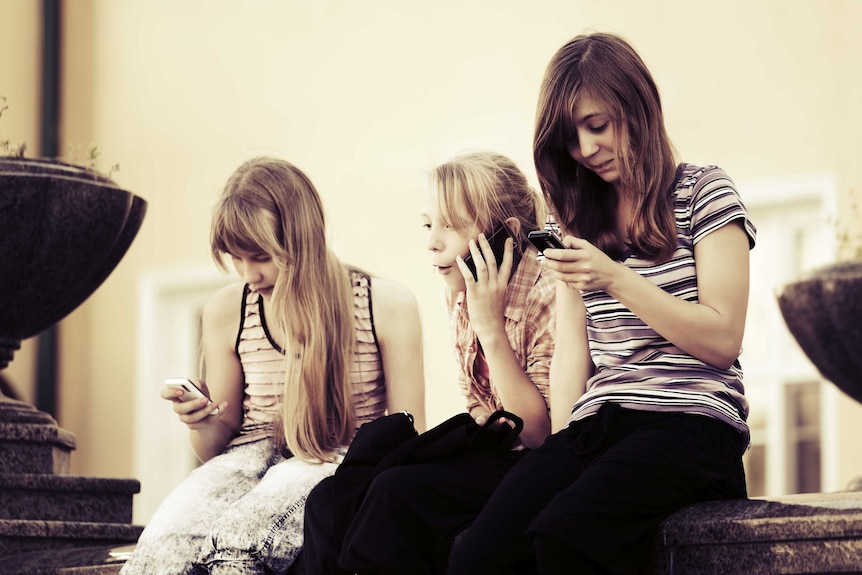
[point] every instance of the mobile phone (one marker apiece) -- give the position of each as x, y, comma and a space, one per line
545, 239
189, 389
497, 239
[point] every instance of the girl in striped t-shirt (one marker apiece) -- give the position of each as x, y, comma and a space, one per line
652, 292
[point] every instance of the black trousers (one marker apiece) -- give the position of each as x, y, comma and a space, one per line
408, 518
589, 499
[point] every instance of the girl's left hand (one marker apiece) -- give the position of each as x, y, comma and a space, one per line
582, 266
486, 295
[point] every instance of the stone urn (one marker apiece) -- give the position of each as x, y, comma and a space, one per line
63, 230
823, 310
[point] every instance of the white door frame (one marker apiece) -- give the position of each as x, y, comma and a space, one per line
169, 304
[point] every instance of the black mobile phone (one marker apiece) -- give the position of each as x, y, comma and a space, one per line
497, 239
545, 239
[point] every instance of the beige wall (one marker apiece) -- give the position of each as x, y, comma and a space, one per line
365, 97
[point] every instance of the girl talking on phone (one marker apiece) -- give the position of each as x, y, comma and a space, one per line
502, 324
653, 285
296, 358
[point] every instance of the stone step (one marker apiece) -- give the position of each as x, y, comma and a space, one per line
66, 498
35, 448
25, 536
101, 560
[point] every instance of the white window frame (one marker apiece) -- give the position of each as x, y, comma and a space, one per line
775, 378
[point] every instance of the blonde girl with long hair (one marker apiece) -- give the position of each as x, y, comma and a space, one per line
297, 355
502, 327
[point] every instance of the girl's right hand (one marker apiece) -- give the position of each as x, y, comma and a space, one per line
582, 265
486, 295
195, 412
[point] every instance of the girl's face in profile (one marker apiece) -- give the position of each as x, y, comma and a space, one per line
594, 147
444, 243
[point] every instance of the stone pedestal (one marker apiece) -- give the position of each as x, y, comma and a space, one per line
63, 229
46, 514
815, 533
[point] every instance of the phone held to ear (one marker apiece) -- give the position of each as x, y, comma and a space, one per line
545, 239
189, 389
497, 239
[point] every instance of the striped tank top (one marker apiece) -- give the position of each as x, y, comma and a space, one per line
635, 366
263, 365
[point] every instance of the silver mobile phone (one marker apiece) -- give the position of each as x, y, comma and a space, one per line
189, 389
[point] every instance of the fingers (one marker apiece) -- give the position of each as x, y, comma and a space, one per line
478, 255
481, 258
486, 261
196, 409
171, 393
488, 257
201, 413
505, 269
573, 245
465, 271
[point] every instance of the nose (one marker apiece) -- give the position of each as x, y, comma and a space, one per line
432, 241
586, 146
250, 273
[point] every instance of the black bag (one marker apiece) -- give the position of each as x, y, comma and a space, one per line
387, 442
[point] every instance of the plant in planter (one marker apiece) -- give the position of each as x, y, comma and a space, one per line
823, 309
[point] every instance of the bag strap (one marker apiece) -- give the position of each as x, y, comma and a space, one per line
501, 436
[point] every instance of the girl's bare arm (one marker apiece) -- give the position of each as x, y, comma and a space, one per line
399, 334
210, 434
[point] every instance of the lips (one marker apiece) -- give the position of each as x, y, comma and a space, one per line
603, 166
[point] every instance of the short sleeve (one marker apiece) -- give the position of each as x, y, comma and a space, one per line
715, 203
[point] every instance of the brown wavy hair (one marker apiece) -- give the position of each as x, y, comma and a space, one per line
605, 68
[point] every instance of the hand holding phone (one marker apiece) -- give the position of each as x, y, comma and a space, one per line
545, 239
497, 240
189, 389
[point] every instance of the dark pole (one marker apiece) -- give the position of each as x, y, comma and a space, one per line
46, 355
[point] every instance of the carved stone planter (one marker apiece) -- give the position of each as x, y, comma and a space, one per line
63, 230
823, 311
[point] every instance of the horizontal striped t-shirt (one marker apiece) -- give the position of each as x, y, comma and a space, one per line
635, 366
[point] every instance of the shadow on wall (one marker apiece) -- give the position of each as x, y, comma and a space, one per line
7, 388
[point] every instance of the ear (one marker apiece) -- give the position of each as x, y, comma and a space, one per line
514, 226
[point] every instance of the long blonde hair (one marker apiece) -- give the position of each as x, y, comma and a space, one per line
268, 205
483, 190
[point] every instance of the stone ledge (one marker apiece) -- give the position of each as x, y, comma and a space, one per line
792, 535
811, 534
28, 536
104, 560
